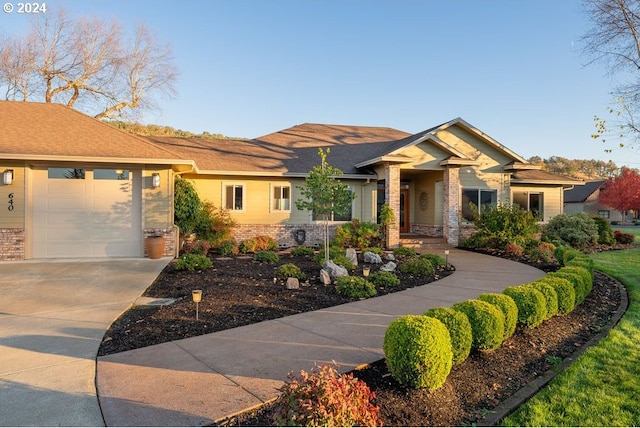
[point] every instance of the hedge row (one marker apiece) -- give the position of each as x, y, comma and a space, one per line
421, 349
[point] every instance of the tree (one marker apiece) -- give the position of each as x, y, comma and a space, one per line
614, 39
325, 195
87, 64
622, 192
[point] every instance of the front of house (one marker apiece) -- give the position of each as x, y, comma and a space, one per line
80, 188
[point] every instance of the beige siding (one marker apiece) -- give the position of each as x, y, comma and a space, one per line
425, 205
157, 202
552, 198
12, 198
258, 192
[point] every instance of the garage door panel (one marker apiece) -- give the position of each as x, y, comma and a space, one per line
87, 217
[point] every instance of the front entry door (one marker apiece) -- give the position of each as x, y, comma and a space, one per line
404, 211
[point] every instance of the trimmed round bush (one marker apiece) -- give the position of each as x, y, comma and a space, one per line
417, 266
302, 250
564, 290
550, 296
404, 251
532, 306
290, 270
459, 329
487, 323
193, 262
508, 308
585, 275
384, 279
266, 256
355, 286
418, 351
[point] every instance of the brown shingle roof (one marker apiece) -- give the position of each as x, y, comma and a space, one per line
290, 151
538, 176
46, 130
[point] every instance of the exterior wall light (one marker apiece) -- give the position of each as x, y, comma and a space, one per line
7, 177
155, 180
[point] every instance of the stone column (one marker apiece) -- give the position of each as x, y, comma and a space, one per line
392, 198
451, 206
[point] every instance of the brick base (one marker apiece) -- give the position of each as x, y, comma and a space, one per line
171, 239
285, 234
430, 230
11, 244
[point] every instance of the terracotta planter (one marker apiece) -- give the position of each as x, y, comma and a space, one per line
155, 246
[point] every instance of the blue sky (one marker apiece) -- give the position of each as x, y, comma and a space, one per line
248, 68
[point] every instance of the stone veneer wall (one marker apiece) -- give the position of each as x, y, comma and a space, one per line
11, 244
284, 233
171, 240
430, 230
392, 198
451, 206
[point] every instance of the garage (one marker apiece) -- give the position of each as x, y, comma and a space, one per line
86, 212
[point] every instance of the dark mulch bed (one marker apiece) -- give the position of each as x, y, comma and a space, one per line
240, 292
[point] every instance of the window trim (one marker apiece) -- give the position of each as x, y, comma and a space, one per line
272, 199
244, 196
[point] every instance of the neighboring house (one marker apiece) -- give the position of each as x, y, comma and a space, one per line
430, 179
584, 199
80, 188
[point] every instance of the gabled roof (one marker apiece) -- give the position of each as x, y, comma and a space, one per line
48, 131
581, 193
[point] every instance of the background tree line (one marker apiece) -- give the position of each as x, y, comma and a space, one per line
582, 169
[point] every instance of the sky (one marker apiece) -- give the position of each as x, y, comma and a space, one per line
513, 69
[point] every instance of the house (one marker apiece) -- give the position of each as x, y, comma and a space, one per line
584, 199
75, 187
80, 188
435, 180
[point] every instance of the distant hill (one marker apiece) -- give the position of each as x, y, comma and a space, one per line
581, 169
164, 131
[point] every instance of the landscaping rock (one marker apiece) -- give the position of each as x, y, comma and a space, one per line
352, 256
334, 270
370, 257
389, 257
325, 278
389, 267
293, 284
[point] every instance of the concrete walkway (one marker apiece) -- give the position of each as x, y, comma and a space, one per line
193, 382
53, 315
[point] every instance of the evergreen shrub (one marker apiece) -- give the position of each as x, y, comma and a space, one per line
193, 262
266, 256
384, 279
302, 250
417, 266
355, 287
564, 290
550, 297
404, 251
435, 259
459, 329
418, 351
508, 308
487, 323
532, 306
290, 270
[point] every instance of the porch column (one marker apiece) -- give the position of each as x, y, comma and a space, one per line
451, 206
392, 198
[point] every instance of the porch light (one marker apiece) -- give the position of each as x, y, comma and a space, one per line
7, 177
196, 295
155, 180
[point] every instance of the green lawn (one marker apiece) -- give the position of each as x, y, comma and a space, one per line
602, 388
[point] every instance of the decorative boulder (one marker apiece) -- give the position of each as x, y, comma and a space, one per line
293, 284
325, 278
389, 257
389, 267
352, 256
335, 271
370, 257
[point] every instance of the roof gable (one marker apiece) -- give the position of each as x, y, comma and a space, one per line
582, 193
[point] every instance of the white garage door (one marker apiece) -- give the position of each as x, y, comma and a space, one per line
86, 213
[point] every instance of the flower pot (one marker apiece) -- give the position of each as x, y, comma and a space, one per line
155, 246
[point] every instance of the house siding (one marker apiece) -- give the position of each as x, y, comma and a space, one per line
552, 198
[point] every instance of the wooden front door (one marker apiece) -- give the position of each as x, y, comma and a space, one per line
405, 227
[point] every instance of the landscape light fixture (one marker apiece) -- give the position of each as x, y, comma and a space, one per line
197, 297
155, 180
366, 270
7, 177
446, 257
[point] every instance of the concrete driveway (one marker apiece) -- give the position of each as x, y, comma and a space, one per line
53, 315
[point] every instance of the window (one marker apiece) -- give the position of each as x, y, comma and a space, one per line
71, 173
233, 197
281, 198
110, 174
476, 201
603, 213
530, 201
380, 200
335, 217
